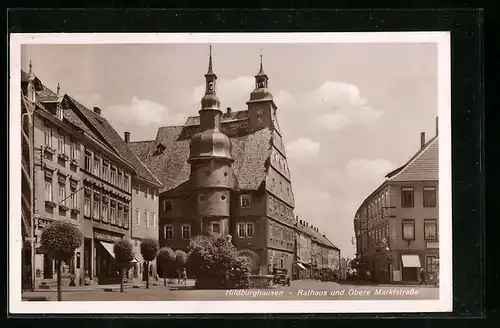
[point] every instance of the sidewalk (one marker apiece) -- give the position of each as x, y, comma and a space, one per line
138, 284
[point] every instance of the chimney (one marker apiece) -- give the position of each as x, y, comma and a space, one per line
127, 137
228, 110
97, 110
437, 125
422, 139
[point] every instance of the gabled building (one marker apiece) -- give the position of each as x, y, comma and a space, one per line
226, 173
396, 226
319, 257
82, 173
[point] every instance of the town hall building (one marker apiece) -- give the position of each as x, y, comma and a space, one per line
226, 173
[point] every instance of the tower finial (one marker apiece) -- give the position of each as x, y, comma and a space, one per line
58, 88
261, 70
31, 66
210, 70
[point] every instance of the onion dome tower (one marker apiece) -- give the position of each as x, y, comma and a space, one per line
211, 161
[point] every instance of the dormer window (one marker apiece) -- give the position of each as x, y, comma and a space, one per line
160, 149
31, 92
59, 113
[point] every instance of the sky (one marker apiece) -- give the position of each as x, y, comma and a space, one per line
348, 113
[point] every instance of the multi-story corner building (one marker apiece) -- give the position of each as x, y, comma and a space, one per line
226, 173
55, 171
323, 255
82, 174
396, 226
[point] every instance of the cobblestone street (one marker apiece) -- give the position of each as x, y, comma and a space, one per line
299, 290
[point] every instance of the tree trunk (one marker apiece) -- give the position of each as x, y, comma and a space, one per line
121, 279
178, 276
164, 275
59, 292
147, 274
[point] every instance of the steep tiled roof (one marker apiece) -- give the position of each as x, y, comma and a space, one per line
317, 236
104, 129
250, 153
226, 118
423, 166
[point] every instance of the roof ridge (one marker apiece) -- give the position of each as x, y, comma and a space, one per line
96, 130
413, 158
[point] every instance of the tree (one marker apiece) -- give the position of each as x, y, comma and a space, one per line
180, 262
149, 250
166, 258
60, 240
215, 263
124, 254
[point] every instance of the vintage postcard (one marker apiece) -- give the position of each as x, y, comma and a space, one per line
292, 173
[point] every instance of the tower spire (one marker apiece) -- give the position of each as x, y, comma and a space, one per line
210, 70
58, 88
261, 70
31, 66
210, 100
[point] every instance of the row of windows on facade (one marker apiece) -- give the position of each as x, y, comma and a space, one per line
281, 162
245, 202
278, 261
281, 233
376, 236
149, 193
225, 128
62, 198
105, 209
244, 230
106, 171
281, 188
62, 140
279, 207
378, 205
114, 211
430, 229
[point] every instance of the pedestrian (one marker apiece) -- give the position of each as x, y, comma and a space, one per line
422, 277
368, 275
184, 276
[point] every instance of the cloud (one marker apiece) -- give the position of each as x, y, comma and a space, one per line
303, 149
368, 170
143, 113
332, 106
231, 92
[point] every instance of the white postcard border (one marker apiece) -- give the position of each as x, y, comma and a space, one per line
443, 304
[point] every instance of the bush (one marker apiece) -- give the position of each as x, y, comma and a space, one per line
215, 263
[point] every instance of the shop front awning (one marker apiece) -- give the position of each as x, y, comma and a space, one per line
109, 247
411, 261
301, 266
